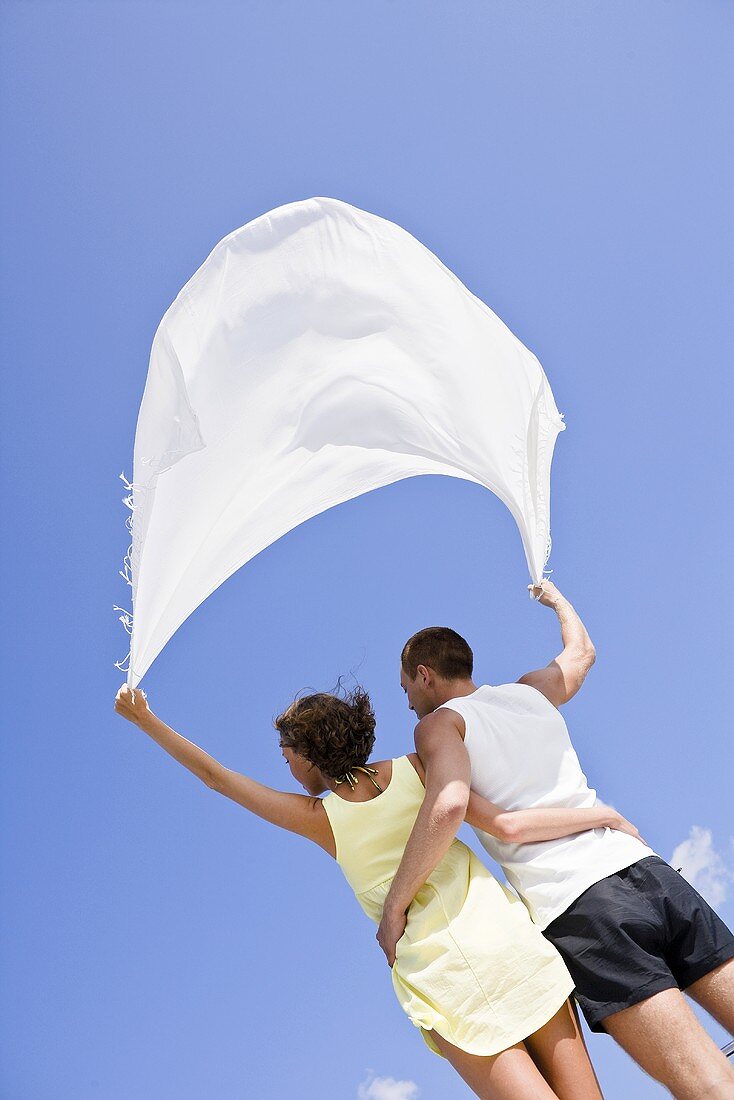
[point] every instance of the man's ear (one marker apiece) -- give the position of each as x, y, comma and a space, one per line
425, 674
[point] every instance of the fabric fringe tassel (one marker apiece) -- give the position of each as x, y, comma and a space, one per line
126, 617
544, 577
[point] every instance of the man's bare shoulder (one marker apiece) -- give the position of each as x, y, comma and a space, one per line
549, 682
439, 723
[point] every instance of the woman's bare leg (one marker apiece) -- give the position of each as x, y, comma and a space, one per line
559, 1051
510, 1075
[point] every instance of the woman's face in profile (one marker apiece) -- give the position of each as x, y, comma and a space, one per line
304, 772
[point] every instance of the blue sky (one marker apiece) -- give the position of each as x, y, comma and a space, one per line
570, 162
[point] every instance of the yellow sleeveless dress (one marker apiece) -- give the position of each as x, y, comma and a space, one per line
471, 965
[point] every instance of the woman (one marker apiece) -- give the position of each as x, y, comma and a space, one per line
488, 992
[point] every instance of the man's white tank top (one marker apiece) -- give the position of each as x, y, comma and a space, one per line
522, 757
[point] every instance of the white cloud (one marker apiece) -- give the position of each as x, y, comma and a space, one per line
387, 1088
703, 866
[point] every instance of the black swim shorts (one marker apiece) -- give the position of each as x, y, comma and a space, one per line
636, 933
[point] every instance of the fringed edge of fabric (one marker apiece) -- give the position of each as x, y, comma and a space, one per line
125, 616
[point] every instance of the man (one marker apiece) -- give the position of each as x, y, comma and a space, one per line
631, 930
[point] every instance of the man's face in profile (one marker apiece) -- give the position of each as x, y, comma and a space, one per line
418, 691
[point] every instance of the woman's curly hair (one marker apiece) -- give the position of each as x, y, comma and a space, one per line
333, 731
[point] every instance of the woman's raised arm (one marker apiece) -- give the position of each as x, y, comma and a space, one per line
296, 812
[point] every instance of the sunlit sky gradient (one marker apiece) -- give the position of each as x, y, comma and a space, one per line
571, 163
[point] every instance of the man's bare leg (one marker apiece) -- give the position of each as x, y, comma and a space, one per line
664, 1037
559, 1051
715, 993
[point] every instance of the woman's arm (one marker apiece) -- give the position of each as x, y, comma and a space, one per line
533, 826
296, 812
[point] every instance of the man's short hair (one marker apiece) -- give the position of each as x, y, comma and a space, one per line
439, 648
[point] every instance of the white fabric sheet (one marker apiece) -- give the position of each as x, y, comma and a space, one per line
318, 353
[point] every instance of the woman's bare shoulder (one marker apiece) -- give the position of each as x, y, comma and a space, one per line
416, 762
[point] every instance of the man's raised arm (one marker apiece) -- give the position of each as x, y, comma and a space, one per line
561, 679
440, 746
